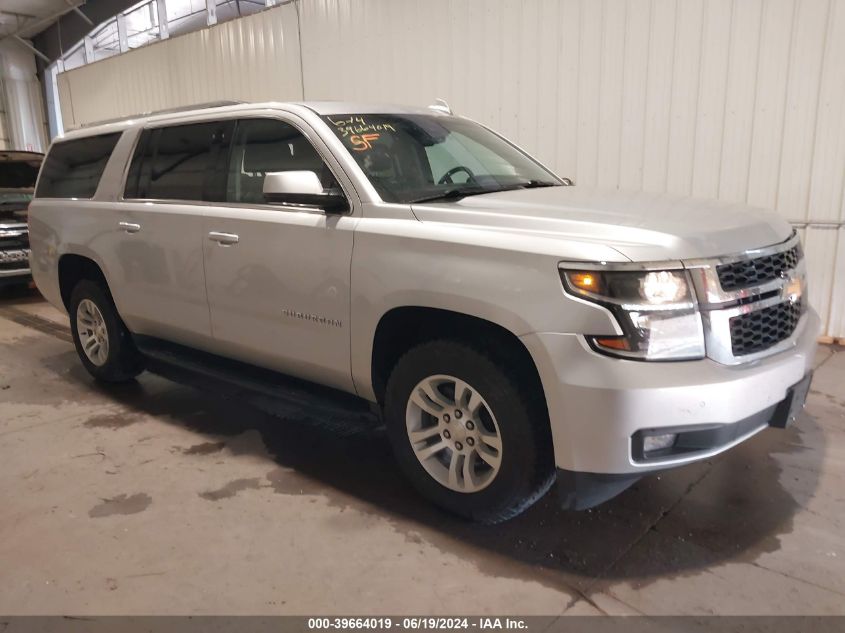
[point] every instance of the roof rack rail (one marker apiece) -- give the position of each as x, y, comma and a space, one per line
186, 108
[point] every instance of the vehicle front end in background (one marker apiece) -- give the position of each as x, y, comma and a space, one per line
18, 173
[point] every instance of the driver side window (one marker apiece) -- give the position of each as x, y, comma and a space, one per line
261, 146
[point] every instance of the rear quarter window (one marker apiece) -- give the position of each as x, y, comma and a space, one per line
73, 169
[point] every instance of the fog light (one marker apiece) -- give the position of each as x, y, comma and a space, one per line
658, 442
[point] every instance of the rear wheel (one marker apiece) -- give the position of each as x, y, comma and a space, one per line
469, 436
102, 341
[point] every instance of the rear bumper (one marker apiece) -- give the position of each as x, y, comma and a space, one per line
599, 406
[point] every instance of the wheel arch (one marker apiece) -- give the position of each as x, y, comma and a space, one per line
73, 268
401, 328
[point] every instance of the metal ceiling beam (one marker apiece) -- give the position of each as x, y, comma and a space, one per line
27, 16
26, 44
45, 20
211, 12
78, 12
58, 38
163, 24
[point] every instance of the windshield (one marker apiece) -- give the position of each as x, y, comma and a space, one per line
418, 157
19, 174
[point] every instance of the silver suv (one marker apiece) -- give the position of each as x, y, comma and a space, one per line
511, 328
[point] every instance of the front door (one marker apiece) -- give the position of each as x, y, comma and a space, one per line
277, 276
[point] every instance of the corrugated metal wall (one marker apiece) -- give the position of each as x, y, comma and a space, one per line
734, 99
255, 58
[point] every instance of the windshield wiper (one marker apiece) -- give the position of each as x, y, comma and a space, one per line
455, 194
534, 184
461, 192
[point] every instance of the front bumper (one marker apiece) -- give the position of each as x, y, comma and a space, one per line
14, 276
14, 254
599, 405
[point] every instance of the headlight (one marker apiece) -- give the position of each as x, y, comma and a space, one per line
655, 309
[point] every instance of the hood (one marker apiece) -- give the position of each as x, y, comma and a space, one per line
641, 226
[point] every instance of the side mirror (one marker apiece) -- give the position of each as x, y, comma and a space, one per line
301, 187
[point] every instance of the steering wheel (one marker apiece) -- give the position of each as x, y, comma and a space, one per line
447, 177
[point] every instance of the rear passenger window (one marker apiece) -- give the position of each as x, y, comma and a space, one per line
177, 163
267, 145
73, 169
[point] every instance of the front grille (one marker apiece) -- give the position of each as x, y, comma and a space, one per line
16, 242
761, 329
14, 259
753, 272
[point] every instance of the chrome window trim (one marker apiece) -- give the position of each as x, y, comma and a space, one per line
234, 205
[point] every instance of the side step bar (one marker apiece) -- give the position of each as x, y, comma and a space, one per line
228, 377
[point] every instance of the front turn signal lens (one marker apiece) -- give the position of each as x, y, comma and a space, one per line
584, 281
613, 342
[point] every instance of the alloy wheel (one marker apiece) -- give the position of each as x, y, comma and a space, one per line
453, 433
92, 331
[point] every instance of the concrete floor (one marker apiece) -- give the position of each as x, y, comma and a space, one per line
164, 497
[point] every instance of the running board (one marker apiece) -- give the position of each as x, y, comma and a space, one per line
228, 377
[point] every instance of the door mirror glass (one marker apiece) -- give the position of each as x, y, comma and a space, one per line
301, 187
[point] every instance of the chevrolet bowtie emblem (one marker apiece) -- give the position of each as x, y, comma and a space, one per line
793, 290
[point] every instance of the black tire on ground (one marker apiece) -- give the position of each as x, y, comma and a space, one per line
527, 468
123, 362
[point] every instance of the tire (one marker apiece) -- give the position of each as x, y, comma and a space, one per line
508, 407
118, 360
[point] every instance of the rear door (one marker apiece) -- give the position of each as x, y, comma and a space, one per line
157, 258
277, 275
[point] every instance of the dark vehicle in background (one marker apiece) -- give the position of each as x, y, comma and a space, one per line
18, 173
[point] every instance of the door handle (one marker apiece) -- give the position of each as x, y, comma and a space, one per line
224, 239
129, 227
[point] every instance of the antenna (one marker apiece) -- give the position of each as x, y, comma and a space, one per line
440, 105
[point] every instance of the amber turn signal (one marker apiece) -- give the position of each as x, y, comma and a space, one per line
584, 281
613, 342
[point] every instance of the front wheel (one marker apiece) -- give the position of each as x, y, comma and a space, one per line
468, 435
102, 341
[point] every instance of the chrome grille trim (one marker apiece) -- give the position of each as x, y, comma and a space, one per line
753, 272
719, 306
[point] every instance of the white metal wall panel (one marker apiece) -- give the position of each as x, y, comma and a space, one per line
736, 99
253, 58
